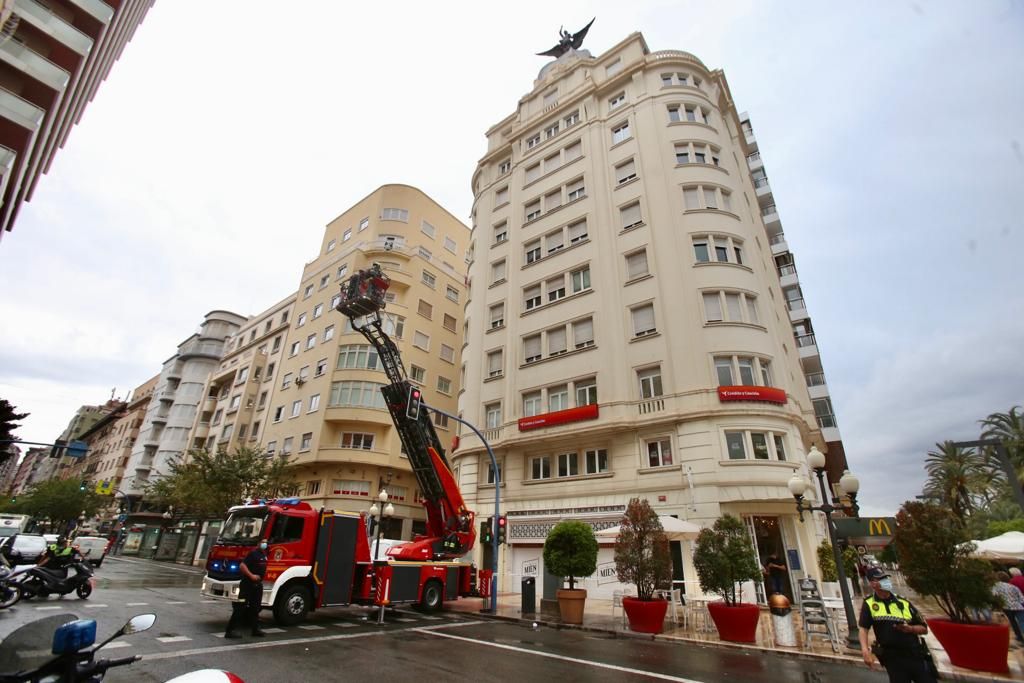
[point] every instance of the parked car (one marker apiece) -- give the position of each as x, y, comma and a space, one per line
23, 548
93, 547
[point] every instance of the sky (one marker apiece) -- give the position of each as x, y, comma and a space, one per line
229, 134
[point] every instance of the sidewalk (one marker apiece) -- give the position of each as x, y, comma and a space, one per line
598, 617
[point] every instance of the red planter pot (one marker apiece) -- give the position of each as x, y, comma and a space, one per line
982, 647
645, 616
737, 623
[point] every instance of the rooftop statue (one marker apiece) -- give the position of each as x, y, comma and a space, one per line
568, 41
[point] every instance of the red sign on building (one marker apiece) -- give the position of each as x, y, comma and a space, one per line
558, 417
742, 393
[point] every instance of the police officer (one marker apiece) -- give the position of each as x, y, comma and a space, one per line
58, 555
250, 592
898, 628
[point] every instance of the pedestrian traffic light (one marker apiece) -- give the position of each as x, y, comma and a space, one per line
502, 528
412, 406
487, 530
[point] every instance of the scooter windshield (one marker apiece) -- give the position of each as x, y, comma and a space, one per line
29, 647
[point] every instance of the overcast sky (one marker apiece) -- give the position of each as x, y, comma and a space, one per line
230, 133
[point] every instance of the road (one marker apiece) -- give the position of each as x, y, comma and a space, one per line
348, 644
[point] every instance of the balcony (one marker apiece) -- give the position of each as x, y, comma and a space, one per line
39, 68
649, 406
763, 190
21, 112
194, 348
47, 22
787, 276
797, 309
754, 161
779, 244
807, 347
748, 134
770, 216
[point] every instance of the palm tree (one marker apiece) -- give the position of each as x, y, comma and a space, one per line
958, 478
1008, 427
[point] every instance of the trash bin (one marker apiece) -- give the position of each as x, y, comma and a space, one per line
529, 595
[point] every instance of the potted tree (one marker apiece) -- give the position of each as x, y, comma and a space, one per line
829, 574
642, 559
724, 557
571, 550
935, 557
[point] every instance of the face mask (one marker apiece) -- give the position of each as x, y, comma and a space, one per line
263, 545
885, 584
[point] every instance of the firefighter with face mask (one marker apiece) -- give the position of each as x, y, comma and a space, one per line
898, 628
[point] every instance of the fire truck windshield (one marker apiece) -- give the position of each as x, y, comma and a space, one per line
243, 527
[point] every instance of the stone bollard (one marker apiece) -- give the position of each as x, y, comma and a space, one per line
782, 620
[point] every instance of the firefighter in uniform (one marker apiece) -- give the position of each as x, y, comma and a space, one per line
898, 628
250, 592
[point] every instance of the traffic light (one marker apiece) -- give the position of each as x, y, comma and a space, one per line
412, 407
502, 528
14, 499
82, 485
486, 530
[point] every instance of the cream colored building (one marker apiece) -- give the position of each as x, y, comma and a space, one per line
326, 410
627, 331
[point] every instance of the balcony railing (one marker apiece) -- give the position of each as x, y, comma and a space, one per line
760, 182
777, 239
756, 156
653, 405
816, 379
825, 421
805, 340
787, 270
796, 304
768, 210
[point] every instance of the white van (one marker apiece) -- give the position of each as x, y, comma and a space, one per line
93, 547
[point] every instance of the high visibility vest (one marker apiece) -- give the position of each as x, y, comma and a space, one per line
898, 610
60, 552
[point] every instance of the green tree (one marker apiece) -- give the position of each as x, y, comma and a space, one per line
59, 500
961, 479
1008, 427
827, 562
204, 485
1000, 527
724, 557
641, 550
571, 550
9, 419
934, 551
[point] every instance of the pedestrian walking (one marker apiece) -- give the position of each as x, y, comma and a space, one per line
1012, 602
250, 593
898, 628
1017, 579
775, 569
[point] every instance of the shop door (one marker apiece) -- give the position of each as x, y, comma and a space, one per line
752, 531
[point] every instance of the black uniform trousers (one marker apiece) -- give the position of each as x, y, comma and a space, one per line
907, 668
247, 609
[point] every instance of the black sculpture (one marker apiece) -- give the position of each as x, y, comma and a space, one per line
568, 41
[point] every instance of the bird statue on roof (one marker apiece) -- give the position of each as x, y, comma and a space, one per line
568, 41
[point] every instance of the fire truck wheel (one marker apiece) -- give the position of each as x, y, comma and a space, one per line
292, 605
433, 596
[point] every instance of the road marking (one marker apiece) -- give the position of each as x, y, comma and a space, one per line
311, 627
136, 604
209, 601
116, 644
234, 647
95, 605
273, 630
434, 631
176, 602
407, 621
50, 607
173, 639
345, 624
432, 618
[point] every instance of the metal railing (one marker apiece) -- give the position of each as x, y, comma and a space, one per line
760, 182
804, 340
816, 379
769, 210
825, 421
777, 239
789, 269
796, 304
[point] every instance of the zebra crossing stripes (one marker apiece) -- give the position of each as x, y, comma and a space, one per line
173, 639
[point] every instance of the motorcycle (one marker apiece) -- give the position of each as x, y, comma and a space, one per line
41, 581
10, 591
22, 660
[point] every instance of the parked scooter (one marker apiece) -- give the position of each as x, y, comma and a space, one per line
41, 581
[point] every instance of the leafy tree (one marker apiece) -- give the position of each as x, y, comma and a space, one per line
59, 500
1008, 427
888, 554
934, 551
960, 479
571, 550
9, 418
1000, 527
827, 562
641, 550
204, 485
723, 557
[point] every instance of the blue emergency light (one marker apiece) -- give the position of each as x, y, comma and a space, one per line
74, 636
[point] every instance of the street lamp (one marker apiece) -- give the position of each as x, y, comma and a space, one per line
849, 484
388, 510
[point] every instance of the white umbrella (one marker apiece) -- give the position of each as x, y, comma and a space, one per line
675, 529
1008, 546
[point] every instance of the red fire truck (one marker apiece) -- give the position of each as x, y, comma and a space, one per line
321, 558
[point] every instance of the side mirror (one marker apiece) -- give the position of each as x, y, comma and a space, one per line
141, 622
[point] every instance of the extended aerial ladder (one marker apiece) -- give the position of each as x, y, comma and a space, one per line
450, 526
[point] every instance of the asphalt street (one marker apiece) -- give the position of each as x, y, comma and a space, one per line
348, 645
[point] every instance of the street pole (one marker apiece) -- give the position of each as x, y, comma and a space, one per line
497, 502
852, 637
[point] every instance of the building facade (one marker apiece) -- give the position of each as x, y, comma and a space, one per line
53, 57
627, 333
35, 467
326, 412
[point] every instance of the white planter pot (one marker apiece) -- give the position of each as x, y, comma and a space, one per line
830, 589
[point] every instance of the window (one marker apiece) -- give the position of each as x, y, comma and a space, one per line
314, 403
596, 460
780, 448
286, 381
749, 369
310, 341
586, 392
352, 488
613, 68
441, 420
357, 441
335, 300
308, 292
243, 375
225, 433
296, 408
424, 253
532, 210
492, 415
263, 399
501, 197
533, 141
620, 133
498, 271
304, 444
451, 293
531, 404
532, 251
673, 114
625, 172
531, 295
444, 385
691, 198
568, 465
271, 447
650, 382
558, 398
395, 215
700, 250
555, 288
497, 315
361, 356
643, 320
573, 152
342, 271
740, 307
531, 348
551, 131
766, 372
278, 413
235, 401
425, 309
364, 224
540, 468
504, 167
494, 364
286, 446
318, 311
331, 244
578, 232
501, 232
356, 395
429, 279
417, 374
554, 241
556, 341
580, 279
312, 488
296, 347
301, 321
759, 441
347, 235
490, 473
629, 216
659, 453
572, 119
427, 229
575, 190
449, 322
583, 333
636, 264
617, 101
723, 368
421, 340
551, 162
447, 353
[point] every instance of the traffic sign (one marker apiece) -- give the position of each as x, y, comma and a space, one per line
862, 550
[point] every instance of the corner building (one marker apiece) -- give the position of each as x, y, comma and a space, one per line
626, 333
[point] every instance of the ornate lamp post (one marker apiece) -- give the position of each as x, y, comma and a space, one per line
799, 486
387, 510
